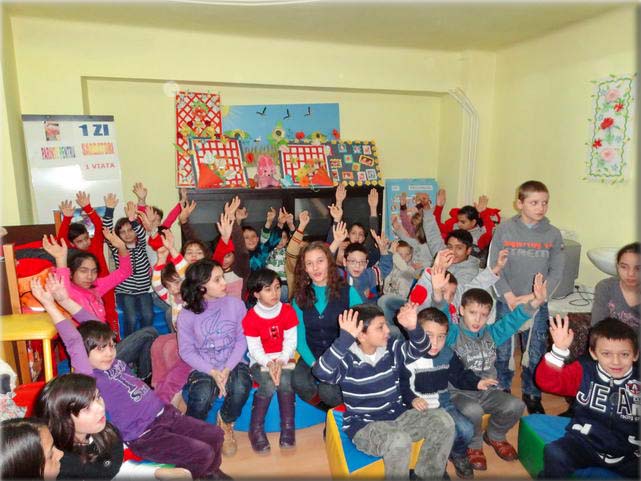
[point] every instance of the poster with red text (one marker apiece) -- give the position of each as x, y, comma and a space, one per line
68, 153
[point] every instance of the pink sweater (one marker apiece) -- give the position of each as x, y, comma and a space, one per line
90, 299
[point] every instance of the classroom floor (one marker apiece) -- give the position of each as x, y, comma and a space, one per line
308, 459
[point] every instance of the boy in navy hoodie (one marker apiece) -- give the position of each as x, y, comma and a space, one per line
534, 245
424, 384
604, 430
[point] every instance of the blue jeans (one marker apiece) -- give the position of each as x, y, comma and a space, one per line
538, 346
130, 305
135, 350
203, 391
390, 304
464, 431
284, 293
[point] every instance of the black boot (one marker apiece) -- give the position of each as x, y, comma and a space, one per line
533, 404
286, 405
257, 436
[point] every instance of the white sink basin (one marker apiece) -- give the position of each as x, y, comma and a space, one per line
604, 259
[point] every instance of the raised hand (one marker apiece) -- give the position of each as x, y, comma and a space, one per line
440, 278
82, 199
441, 197
56, 248
407, 315
484, 384
341, 195
168, 239
396, 224
186, 208
393, 247
282, 217
40, 293
419, 404
381, 241
481, 205
114, 240
269, 218
501, 261
372, 200
111, 200
340, 232
140, 191
162, 254
348, 322
303, 220
66, 208
540, 290
131, 211
241, 214
232, 206
145, 217
290, 221
444, 258
336, 212
225, 226
560, 331
56, 287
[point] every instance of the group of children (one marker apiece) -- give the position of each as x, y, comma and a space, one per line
407, 336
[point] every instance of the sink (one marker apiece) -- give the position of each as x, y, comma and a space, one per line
604, 259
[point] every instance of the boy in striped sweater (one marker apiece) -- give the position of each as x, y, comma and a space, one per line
366, 363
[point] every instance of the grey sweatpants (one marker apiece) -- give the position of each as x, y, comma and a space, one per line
393, 441
505, 411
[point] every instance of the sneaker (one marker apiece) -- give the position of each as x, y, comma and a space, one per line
413, 476
463, 467
533, 404
229, 442
477, 459
503, 449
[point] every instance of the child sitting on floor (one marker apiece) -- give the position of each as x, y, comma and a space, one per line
270, 329
366, 364
211, 342
424, 384
152, 429
604, 430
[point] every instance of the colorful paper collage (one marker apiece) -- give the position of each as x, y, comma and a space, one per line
264, 129
218, 163
305, 165
611, 128
353, 162
197, 116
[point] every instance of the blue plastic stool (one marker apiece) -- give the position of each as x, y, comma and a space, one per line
305, 414
158, 321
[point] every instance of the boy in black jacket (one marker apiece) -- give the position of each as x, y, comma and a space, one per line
605, 428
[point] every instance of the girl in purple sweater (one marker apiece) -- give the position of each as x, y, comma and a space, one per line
211, 341
152, 429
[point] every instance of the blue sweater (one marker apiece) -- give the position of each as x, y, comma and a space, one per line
370, 384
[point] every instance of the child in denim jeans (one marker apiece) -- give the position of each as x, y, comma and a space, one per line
424, 384
211, 341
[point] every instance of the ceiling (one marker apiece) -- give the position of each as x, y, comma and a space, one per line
454, 25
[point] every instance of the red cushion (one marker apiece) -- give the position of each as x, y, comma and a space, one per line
26, 395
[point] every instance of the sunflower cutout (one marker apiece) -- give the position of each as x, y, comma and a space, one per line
277, 136
317, 137
239, 134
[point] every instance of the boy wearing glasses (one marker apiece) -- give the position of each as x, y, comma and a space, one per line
366, 280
